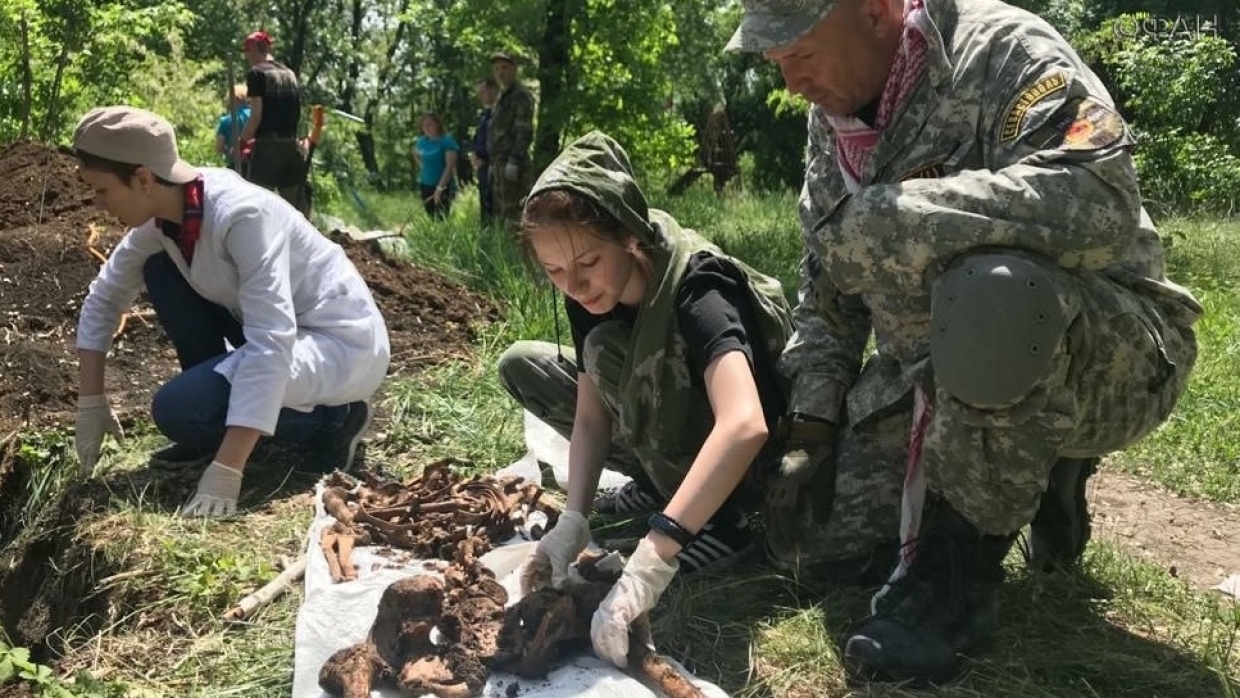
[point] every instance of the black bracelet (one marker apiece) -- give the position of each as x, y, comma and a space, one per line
671, 528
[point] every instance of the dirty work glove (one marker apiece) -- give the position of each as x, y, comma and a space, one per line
94, 419
636, 592
512, 171
556, 551
217, 493
804, 468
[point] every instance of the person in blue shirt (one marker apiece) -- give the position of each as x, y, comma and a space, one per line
435, 155
225, 134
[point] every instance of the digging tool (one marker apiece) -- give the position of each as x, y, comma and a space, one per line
346, 115
305, 190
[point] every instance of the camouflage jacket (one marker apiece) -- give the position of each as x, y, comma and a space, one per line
511, 131
661, 415
1009, 140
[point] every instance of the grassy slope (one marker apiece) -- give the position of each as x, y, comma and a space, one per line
1119, 628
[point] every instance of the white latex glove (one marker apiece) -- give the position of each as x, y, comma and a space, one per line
512, 171
94, 419
645, 578
558, 549
217, 493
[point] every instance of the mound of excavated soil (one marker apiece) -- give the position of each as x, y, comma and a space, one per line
48, 229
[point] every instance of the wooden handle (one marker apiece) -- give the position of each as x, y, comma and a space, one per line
316, 129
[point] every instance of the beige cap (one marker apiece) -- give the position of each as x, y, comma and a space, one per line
133, 136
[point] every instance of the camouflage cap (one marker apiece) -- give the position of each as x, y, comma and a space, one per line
503, 56
771, 23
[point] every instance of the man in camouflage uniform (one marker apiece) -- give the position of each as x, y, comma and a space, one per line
508, 140
970, 198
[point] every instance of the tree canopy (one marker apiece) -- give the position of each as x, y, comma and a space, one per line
648, 71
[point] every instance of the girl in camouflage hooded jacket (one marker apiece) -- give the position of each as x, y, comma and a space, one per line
673, 381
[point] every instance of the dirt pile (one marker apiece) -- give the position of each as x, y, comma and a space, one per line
52, 242
429, 317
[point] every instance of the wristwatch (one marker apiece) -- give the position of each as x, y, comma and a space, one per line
798, 426
802, 417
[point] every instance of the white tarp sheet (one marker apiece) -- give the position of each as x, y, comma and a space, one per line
334, 616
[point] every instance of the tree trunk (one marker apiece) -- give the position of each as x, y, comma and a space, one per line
385, 72
51, 120
349, 89
301, 29
27, 79
553, 66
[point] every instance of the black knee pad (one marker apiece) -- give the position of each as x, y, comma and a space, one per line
996, 323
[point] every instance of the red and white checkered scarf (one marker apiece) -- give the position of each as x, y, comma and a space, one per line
855, 140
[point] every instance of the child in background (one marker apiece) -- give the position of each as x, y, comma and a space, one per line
226, 131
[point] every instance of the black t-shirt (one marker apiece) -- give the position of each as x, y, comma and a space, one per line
277, 85
714, 315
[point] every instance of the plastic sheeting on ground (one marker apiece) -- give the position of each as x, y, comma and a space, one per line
334, 616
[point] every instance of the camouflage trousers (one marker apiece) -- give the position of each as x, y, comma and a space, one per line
1117, 375
542, 377
508, 195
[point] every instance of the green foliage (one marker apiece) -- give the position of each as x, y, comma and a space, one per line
1170, 88
773, 124
618, 82
48, 464
1070, 17
17, 666
70, 56
210, 581
182, 91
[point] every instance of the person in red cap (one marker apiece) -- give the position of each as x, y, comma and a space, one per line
275, 162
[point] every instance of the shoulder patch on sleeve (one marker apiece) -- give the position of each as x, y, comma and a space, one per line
931, 171
1083, 124
1038, 91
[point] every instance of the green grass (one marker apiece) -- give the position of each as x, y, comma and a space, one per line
1196, 452
1193, 454
1118, 628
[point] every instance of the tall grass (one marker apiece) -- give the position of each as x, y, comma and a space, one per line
1117, 628
1193, 454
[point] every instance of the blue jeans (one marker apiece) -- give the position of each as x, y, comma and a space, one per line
191, 409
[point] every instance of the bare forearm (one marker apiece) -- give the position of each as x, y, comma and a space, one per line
586, 452
237, 446
718, 469
256, 118
739, 432
448, 171
90, 372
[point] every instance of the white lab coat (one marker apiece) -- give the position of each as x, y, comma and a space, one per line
314, 335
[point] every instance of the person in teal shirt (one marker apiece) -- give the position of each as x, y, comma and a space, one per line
225, 134
435, 154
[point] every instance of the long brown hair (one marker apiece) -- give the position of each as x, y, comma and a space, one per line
564, 207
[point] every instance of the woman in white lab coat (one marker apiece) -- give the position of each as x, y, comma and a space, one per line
275, 329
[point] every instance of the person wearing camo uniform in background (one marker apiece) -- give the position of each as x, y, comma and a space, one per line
671, 378
970, 199
509, 136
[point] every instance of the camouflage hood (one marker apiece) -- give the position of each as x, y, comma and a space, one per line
661, 416
597, 168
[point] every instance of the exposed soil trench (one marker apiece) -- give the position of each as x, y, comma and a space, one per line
52, 243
